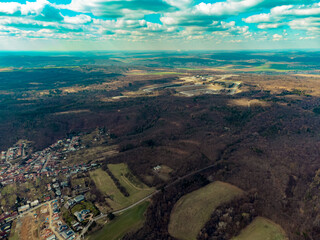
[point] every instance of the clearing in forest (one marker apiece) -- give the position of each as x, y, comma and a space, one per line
262, 229
136, 189
193, 210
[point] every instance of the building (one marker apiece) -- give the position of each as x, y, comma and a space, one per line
52, 237
67, 234
69, 203
81, 215
24, 208
79, 198
34, 203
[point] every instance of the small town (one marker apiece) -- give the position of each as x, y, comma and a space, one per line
20, 166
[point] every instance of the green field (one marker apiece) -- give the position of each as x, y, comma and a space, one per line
262, 229
193, 210
117, 200
128, 221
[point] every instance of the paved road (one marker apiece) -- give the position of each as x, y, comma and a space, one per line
83, 232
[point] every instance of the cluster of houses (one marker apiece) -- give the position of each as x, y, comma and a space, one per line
65, 232
39, 163
73, 201
17, 151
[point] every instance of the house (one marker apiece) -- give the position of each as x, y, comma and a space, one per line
81, 215
52, 237
69, 203
157, 168
67, 234
79, 198
24, 208
63, 228
34, 203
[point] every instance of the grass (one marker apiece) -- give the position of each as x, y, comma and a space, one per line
193, 210
117, 200
67, 216
262, 229
93, 154
128, 221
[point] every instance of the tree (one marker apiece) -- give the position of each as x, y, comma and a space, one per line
111, 216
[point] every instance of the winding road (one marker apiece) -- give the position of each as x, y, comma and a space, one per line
83, 232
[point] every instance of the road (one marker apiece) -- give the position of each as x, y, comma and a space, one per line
32, 209
7, 162
83, 232
50, 223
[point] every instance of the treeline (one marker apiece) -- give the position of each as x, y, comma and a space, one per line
121, 188
229, 219
158, 214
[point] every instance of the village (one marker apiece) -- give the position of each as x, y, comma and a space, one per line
40, 217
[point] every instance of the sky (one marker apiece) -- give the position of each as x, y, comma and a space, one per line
179, 25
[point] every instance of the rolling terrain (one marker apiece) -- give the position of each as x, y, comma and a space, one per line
256, 129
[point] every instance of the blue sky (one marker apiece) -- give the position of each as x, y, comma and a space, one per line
79, 25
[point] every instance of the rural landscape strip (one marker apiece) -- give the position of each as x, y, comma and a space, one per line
83, 232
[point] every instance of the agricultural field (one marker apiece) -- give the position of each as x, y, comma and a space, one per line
115, 198
262, 229
193, 210
129, 221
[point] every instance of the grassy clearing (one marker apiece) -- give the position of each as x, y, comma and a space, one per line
93, 154
129, 221
262, 229
193, 210
116, 199
126, 178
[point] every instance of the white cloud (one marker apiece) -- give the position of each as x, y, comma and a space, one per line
79, 19
307, 38
309, 24
263, 17
277, 37
269, 25
41, 9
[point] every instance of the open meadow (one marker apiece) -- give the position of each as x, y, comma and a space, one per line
193, 210
129, 221
262, 229
114, 196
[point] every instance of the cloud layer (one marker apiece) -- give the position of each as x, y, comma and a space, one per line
215, 23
